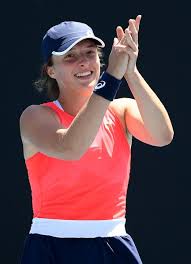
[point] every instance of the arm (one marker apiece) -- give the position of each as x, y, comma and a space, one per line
146, 117
41, 128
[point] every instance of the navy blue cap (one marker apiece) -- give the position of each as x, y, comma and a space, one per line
60, 38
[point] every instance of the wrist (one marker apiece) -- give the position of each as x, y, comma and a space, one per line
132, 75
107, 86
114, 72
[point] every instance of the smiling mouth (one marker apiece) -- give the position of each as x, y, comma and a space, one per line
84, 75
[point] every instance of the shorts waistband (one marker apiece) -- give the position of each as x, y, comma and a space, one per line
78, 228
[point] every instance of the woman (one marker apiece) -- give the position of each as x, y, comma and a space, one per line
77, 147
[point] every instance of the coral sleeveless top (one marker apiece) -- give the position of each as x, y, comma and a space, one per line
92, 188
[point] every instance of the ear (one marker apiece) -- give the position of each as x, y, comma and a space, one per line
50, 71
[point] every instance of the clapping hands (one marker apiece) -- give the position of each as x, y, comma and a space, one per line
124, 53
129, 37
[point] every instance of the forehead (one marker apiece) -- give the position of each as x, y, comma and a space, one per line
84, 44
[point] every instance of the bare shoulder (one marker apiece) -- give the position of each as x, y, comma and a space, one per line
38, 111
124, 106
35, 122
121, 104
35, 114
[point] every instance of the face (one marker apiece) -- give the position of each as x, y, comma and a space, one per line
78, 70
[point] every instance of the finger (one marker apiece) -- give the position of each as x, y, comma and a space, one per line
137, 22
120, 33
133, 30
129, 40
115, 41
123, 40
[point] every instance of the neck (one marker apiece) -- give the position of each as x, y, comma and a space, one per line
73, 104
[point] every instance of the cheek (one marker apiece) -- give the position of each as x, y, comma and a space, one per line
62, 73
98, 69
97, 64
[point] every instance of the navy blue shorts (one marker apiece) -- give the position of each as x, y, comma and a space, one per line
41, 249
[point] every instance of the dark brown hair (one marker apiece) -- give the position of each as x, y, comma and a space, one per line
49, 85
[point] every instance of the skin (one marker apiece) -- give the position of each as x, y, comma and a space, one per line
143, 117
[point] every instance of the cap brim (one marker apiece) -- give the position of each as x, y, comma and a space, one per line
63, 49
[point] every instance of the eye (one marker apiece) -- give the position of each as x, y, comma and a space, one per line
91, 52
70, 55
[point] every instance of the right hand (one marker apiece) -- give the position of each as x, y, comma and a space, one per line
118, 58
131, 33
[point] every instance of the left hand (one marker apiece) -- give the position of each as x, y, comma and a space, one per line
131, 33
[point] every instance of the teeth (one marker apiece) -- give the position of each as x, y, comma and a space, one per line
83, 74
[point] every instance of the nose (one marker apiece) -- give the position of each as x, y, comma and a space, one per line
83, 60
